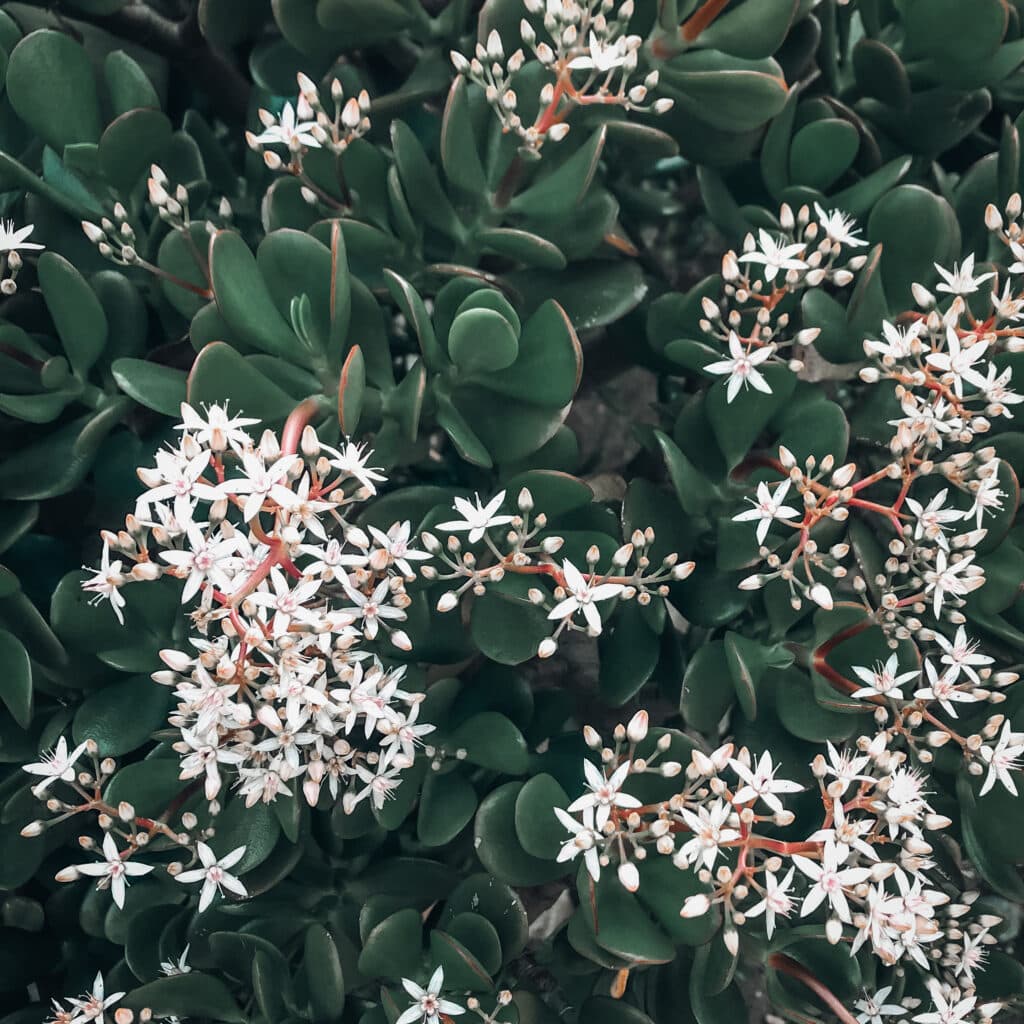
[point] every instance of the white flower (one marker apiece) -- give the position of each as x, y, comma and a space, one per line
288, 132
942, 688
600, 56
961, 280
90, 1007
179, 966
931, 518
604, 793
214, 874
12, 239
838, 227
182, 482
427, 1002
760, 782
742, 367
898, 342
1002, 759
373, 607
883, 679
767, 507
949, 1007
298, 504
113, 869
846, 766
217, 429
874, 1008
287, 601
478, 518
973, 956
709, 833
582, 595
106, 583
583, 840
774, 255
987, 496
58, 764
961, 654
946, 578
204, 560
829, 881
259, 480
846, 833
394, 549
776, 900
352, 459
957, 362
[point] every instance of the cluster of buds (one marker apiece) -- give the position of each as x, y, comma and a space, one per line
308, 125
589, 55
528, 549
867, 869
283, 591
114, 237
812, 249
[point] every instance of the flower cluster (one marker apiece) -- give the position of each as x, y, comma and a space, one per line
307, 125
430, 1007
938, 492
528, 549
284, 590
868, 867
751, 318
126, 835
590, 58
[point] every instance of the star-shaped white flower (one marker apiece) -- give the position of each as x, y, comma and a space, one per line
1002, 759
477, 518
777, 900
58, 764
838, 226
214, 874
427, 1002
604, 793
708, 826
874, 1009
12, 239
112, 870
582, 596
352, 459
942, 688
759, 782
961, 280
290, 132
931, 519
957, 362
601, 56
883, 680
830, 879
216, 429
741, 366
949, 1007
961, 654
90, 1007
774, 255
950, 578
768, 506
106, 583
583, 840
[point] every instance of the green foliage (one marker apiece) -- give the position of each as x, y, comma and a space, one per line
462, 296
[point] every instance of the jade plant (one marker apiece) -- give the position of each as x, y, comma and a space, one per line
509, 511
